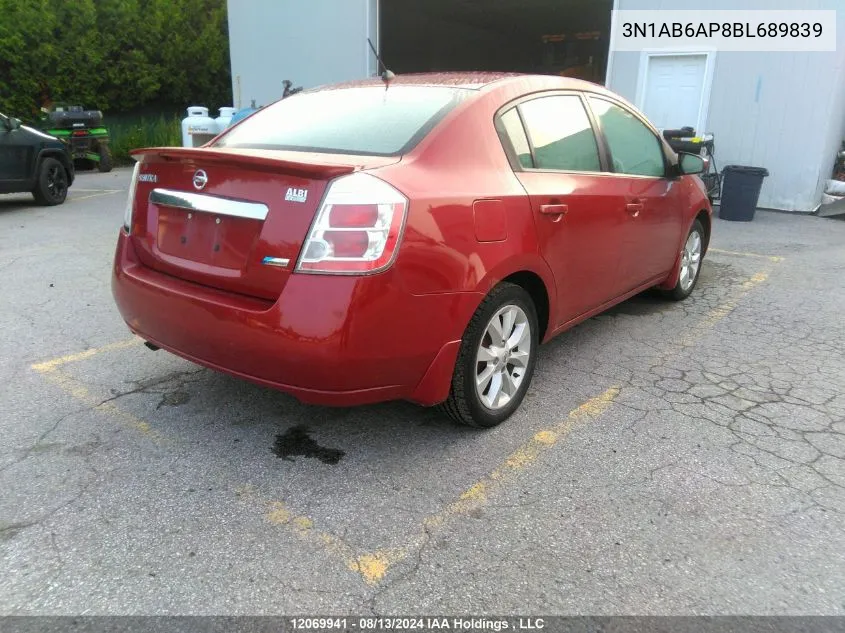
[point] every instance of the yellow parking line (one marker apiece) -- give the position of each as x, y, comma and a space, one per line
280, 514
373, 566
697, 331
73, 387
771, 258
79, 391
725, 308
51, 365
94, 195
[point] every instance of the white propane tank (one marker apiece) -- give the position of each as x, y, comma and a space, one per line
225, 118
198, 128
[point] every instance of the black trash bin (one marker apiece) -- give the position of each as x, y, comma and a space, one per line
740, 192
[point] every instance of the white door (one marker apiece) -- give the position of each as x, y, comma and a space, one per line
674, 86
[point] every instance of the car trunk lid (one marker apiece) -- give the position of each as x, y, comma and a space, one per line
231, 219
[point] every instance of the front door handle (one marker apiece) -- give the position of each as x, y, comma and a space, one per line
634, 208
553, 209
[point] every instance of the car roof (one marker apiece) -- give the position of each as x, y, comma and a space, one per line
469, 80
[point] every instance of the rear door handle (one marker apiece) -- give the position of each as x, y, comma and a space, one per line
634, 208
554, 209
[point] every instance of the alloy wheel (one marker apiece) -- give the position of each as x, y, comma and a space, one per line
56, 182
690, 260
502, 357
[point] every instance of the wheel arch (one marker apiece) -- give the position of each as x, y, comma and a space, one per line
533, 275
59, 155
533, 284
704, 217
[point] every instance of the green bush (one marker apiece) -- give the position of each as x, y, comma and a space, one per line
113, 55
163, 131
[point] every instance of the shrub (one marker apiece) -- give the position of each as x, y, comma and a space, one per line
162, 131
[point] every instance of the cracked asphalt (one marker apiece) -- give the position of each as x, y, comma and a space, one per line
670, 458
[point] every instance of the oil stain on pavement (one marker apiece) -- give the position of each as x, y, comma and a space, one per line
296, 442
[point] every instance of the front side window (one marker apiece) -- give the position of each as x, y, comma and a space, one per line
634, 148
561, 133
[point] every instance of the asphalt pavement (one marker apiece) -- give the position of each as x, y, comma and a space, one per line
669, 458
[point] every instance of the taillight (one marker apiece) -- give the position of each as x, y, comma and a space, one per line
130, 201
357, 229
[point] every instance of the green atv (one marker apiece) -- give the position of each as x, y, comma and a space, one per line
82, 131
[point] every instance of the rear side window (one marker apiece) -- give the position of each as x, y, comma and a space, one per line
516, 133
633, 147
369, 120
561, 133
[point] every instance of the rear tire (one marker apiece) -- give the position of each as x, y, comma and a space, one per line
692, 254
105, 163
492, 376
52, 183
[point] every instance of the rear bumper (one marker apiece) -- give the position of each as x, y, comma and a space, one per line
331, 340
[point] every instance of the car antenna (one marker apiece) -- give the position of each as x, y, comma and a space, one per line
387, 75
288, 89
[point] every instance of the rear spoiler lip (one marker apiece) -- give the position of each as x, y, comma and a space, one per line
303, 168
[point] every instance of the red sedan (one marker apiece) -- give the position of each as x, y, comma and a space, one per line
413, 240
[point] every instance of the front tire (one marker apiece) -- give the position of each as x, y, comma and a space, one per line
496, 360
52, 183
692, 252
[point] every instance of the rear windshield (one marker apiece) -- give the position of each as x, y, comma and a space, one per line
368, 120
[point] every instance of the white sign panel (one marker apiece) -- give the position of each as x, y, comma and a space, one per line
774, 31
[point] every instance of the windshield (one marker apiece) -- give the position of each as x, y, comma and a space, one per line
368, 120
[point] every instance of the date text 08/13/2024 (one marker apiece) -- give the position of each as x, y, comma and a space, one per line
425, 623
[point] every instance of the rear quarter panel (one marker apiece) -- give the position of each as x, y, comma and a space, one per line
462, 161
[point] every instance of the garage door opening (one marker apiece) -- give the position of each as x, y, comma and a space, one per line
554, 37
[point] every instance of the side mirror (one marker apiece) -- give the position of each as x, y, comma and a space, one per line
690, 163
